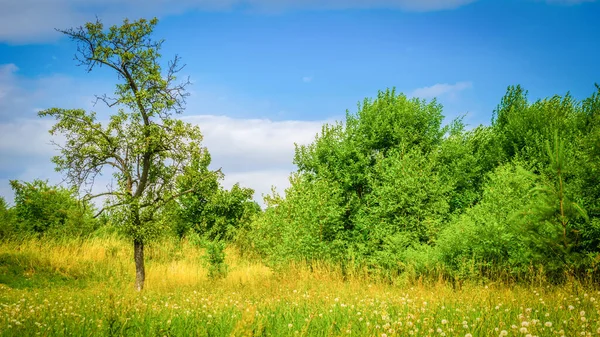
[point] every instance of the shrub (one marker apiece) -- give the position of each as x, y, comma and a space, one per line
41, 209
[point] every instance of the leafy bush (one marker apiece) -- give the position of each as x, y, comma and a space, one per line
41, 209
486, 232
210, 210
7, 220
392, 190
215, 258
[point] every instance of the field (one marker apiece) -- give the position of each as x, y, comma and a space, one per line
85, 288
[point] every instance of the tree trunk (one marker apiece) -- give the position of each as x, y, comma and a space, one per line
138, 256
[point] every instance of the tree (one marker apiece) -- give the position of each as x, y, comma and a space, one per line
144, 147
552, 219
359, 183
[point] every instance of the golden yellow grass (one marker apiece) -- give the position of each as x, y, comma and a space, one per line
180, 300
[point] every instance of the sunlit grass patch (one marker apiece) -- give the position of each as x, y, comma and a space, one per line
252, 300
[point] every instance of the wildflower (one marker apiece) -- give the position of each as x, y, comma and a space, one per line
503, 333
444, 322
548, 324
523, 330
290, 325
468, 335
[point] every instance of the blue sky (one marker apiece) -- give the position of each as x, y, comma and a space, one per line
268, 73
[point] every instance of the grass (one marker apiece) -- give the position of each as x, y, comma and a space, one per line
85, 288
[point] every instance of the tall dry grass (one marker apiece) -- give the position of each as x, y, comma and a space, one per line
95, 297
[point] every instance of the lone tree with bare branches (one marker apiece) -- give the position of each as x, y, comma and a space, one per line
144, 147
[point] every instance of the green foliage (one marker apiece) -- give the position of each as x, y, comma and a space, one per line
226, 212
209, 209
463, 159
551, 219
524, 128
50, 210
346, 153
586, 170
215, 258
408, 196
389, 190
7, 220
364, 189
392, 190
143, 146
307, 225
484, 234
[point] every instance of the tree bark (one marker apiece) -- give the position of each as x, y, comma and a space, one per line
140, 271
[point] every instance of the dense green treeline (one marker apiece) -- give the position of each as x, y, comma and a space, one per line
394, 191
211, 213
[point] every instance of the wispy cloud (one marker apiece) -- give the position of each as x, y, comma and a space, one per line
441, 89
258, 153
307, 79
16, 17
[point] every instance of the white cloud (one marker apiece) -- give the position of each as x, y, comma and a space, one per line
258, 153
6, 79
26, 21
25, 137
8, 87
245, 144
441, 89
22, 97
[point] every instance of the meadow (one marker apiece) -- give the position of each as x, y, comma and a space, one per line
83, 287
397, 221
